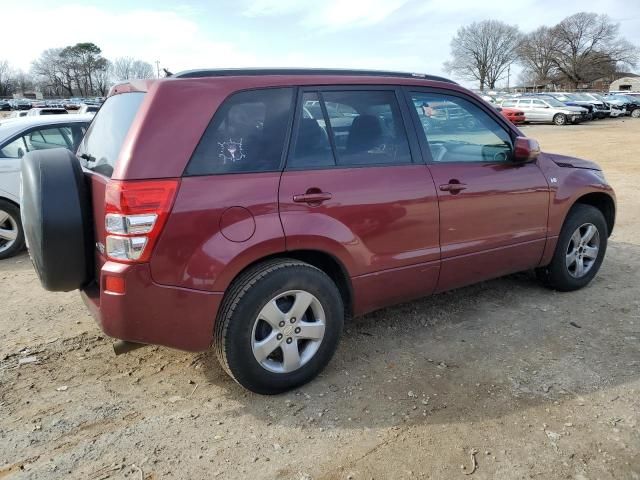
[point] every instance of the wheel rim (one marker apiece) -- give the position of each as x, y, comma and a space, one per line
560, 119
8, 231
582, 250
288, 331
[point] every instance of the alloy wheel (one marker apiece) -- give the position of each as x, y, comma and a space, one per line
288, 331
8, 231
582, 250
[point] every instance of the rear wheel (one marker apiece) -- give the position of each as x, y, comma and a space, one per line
11, 232
279, 326
560, 119
580, 250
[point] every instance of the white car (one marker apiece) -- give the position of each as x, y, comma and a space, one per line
88, 108
17, 137
35, 112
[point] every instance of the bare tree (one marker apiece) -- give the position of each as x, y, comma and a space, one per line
6, 79
536, 55
587, 45
483, 51
127, 68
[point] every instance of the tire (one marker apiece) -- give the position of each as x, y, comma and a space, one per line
239, 330
11, 231
560, 119
636, 113
563, 275
56, 215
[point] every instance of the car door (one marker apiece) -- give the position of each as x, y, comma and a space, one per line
12, 151
531, 114
493, 211
543, 112
354, 187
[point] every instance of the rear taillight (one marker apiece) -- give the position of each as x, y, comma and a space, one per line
135, 213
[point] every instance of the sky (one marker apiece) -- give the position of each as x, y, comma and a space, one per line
406, 35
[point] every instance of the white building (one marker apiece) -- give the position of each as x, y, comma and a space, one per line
628, 84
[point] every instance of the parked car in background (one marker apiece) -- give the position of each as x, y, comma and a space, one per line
515, 116
34, 112
17, 138
88, 108
630, 104
547, 110
21, 104
295, 230
18, 114
71, 104
5, 105
571, 101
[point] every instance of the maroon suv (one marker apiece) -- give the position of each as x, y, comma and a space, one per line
256, 210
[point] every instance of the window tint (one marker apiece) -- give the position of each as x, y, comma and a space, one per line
47, 138
509, 103
65, 137
460, 131
246, 134
539, 103
311, 142
367, 128
102, 143
15, 149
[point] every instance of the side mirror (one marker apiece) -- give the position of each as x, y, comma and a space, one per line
526, 150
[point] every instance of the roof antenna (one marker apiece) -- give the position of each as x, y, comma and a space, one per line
167, 73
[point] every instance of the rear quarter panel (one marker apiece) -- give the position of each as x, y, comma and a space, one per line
219, 224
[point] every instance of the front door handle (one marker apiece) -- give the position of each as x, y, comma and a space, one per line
312, 197
453, 187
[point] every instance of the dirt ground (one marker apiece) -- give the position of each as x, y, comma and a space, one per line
542, 385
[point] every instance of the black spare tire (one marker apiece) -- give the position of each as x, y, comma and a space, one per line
56, 216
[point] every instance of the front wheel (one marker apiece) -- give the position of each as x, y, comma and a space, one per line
279, 326
636, 113
560, 119
580, 250
11, 232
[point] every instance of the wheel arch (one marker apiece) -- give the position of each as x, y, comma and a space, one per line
322, 260
602, 202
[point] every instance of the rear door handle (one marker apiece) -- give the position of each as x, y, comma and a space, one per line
315, 197
453, 187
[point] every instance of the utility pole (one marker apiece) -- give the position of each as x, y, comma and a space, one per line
508, 77
157, 68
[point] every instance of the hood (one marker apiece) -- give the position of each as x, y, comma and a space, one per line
572, 162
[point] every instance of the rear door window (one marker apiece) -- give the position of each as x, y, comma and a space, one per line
312, 147
349, 128
101, 146
367, 128
246, 134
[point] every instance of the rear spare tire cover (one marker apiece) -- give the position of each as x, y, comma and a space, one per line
56, 216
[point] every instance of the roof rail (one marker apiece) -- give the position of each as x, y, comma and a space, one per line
236, 72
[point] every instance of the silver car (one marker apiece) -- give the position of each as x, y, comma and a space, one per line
547, 110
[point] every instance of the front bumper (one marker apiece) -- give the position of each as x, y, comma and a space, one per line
151, 313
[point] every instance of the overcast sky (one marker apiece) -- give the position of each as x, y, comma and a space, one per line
408, 35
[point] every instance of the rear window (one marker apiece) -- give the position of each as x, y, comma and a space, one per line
246, 134
101, 145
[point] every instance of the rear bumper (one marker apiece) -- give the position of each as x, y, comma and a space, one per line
150, 313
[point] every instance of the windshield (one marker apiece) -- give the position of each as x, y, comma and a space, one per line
101, 145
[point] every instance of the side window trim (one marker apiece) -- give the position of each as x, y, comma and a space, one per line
422, 137
329, 127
